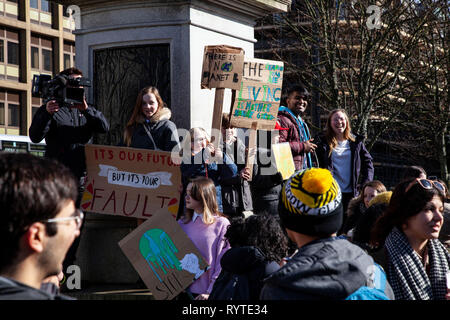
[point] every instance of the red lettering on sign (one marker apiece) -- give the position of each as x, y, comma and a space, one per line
144, 214
139, 157
95, 196
113, 198
122, 155
125, 204
163, 198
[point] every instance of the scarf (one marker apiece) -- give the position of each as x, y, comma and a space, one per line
304, 134
406, 273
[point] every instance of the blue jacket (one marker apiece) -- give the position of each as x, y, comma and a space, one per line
325, 269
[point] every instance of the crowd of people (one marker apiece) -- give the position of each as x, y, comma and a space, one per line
330, 231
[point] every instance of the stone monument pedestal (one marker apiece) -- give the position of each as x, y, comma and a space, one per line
124, 46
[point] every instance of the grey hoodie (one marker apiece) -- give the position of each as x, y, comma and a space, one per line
325, 269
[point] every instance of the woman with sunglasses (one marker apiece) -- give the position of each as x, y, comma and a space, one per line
417, 262
206, 227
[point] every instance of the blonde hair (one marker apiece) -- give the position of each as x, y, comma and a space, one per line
189, 140
137, 116
203, 190
330, 135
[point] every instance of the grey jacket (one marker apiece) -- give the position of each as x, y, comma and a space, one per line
325, 269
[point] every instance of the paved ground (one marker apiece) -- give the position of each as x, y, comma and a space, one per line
109, 292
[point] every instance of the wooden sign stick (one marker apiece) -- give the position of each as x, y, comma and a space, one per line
217, 115
252, 148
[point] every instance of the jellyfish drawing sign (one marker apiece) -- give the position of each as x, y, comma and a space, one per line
164, 257
159, 251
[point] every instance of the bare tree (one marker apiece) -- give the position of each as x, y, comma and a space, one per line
367, 59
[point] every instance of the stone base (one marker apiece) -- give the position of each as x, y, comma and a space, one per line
99, 256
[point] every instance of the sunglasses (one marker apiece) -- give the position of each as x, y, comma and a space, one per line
427, 184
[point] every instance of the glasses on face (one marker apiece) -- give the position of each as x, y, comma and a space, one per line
78, 217
427, 184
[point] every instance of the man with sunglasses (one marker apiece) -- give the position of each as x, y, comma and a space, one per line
38, 224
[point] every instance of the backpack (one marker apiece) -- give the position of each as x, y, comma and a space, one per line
230, 286
374, 292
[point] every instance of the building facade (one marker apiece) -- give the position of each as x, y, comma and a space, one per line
35, 38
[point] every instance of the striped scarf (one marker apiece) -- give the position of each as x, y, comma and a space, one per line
406, 273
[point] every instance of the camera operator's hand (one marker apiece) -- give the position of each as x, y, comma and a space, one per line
52, 106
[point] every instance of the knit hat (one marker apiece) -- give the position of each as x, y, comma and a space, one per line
383, 197
311, 203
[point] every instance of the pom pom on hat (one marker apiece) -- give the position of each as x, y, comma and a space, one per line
310, 203
317, 181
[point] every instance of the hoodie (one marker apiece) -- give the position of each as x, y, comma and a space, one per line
325, 269
249, 262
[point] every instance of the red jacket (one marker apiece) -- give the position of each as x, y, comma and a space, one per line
292, 135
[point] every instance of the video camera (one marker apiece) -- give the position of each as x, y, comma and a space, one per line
64, 89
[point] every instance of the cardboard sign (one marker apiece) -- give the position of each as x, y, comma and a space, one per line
130, 182
163, 256
259, 96
222, 67
283, 159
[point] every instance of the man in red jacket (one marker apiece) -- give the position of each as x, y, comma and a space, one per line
297, 134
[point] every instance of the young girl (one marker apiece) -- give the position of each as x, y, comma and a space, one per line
200, 158
206, 228
149, 126
357, 206
345, 155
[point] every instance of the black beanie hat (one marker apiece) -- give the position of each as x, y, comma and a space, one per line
311, 203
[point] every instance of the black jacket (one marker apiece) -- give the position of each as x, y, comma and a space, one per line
163, 132
13, 290
247, 261
325, 269
66, 132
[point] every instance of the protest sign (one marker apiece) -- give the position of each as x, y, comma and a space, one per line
163, 256
130, 182
259, 95
283, 159
222, 67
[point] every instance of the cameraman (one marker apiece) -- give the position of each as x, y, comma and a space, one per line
66, 129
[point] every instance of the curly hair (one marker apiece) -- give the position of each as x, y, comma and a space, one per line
261, 231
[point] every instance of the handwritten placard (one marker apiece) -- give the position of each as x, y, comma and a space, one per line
283, 159
163, 256
259, 95
130, 182
222, 67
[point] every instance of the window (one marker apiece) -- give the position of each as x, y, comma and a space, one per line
45, 6
47, 63
2, 51
41, 54
13, 115
34, 4
66, 60
2, 113
34, 57
10, 107
40, 12
13, 53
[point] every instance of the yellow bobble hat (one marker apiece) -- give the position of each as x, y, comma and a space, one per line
311, 203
